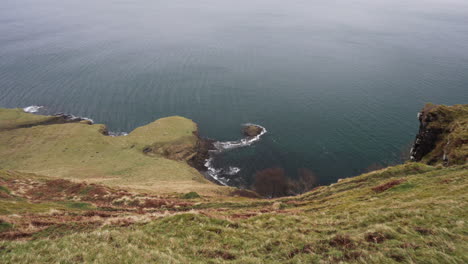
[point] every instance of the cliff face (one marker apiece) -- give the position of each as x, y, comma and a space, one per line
442, 136
194, 151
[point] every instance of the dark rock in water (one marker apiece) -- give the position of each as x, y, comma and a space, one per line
71, 118
203, 148
252, 130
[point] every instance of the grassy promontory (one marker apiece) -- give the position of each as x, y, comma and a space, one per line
152, 157
410, 213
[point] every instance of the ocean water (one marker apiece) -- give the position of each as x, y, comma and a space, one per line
337, 84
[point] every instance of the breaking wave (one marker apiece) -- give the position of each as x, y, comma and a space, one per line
70, 117
32, 108
218, 174
76, 118
117, 134
36, 108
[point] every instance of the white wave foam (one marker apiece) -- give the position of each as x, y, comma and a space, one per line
32, 108
221, 146
232, 170
73, 117
213, 172
216, 173
117, 134
88, 119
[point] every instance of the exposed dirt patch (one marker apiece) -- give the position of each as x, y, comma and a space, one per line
423, 231
4, 195
98, 213
14, 235
244, 215
306, 249
375, 237
81, 205
98, 195
217, 254
388, 185
342, 241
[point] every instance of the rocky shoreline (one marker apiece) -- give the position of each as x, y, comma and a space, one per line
202, 149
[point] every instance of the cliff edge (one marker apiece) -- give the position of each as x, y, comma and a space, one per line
442, 136
155, 157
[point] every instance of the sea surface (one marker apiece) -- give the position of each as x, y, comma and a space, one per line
336, 83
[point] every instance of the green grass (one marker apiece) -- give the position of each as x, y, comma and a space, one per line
77, 205
421, 220
190, 195
410, 213
5, 226
80, 151
4, 189
403, 187
15, 118
453, 122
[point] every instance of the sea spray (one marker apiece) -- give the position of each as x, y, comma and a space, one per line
222, 146
247, 141
117, 134
32, 108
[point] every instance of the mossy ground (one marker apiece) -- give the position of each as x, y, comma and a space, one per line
419, 220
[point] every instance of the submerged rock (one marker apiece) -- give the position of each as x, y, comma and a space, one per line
252, 130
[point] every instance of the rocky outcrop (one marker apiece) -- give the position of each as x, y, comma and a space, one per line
442, 136
252, 130
194, 154
427, 136
202, 153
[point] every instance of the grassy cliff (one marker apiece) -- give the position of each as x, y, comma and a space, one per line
443, 135
152, 157
410, 213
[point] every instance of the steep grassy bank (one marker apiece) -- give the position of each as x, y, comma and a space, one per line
153, 157
410, 213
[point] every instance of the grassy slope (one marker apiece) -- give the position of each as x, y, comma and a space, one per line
411, 213
420, 220
14, 118
80, 151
